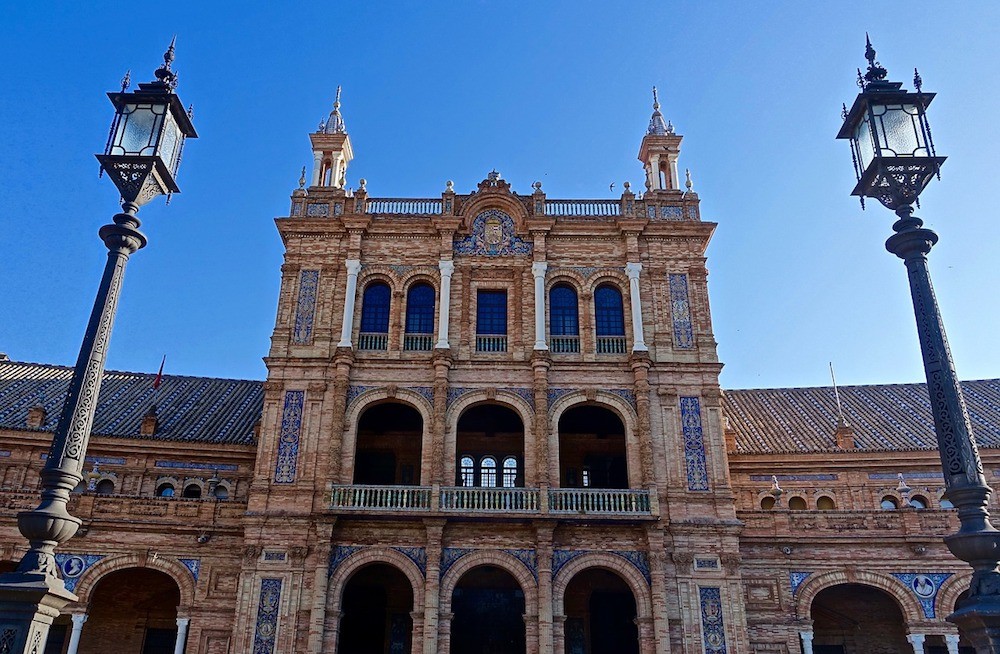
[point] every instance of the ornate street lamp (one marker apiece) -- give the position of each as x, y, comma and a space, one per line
894, 160
141, 158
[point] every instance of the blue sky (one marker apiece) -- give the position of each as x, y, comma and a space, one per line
553, 91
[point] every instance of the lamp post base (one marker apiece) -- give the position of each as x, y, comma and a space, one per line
980, 623
28, 606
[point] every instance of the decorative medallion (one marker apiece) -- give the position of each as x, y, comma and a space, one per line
73, 565
492, 235
796, 578
925, 586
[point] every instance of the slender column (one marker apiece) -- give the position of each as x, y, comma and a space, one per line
951, 641
654, 164
558, 634
543, 550
353, 268
538, 270
675, 182
646, 644
317, 167
182, 634
444, 633
807, 641
436, 628
447, 268
638, 341
916, 642
74, 637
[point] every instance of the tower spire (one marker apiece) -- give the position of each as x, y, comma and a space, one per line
335, 123
657, 125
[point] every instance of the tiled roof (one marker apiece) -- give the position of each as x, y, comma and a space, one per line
197, 409
884, 417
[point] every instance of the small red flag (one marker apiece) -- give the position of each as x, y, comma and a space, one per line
159, 375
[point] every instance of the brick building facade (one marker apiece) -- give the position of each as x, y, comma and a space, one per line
492, 422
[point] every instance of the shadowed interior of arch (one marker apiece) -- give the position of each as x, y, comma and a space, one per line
600, 614
857, 619
488, 608
134, 608
376, 610
389, 445
592, 448
490, 447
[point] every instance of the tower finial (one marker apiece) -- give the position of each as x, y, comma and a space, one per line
335, 123
302, 178
656, 100
657, 125
687, 180
875, 73
836, 396
127, 80
164, 74
336, 102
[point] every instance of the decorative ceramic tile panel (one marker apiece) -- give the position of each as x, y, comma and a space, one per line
73, 565
354, 391
680, 310
338, 208
694, 444
671, 213
528, 558
639, 560
650, 211
193, 566
817, 477
338, 554
706, 564
555, 393
416, 554
626, 394
305, 310
450, 556
266, 628
926, 474
196, 465
562, 557
274, 556
492, 235
318, 209
925, 586
795, 579
427, 392
692, 212
712, 628
455, 392
288, 442
525, 394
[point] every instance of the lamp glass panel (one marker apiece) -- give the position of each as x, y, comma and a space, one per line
863, 139
170, 142
138, 129
899, 130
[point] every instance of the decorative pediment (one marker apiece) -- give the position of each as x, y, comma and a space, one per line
494, 183
492, 236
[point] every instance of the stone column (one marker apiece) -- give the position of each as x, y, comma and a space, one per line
654, 165
543, 554
447, 268
675, 181
646, 644
558, 634
638, 341
951, 641
182, 634
74, 637
317, 167
807, 641
531, 632
417, 637
917, 642
538, 270
353, 268
444, 633
437, 628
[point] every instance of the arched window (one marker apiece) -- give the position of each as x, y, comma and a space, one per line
564, 319
918, 502
797, 504
419, 317
105, 487
767, 502
825, 503
375, 317
221, 492
946, 503
192, 491
468, 471
165, 490
889, 503
509, 472
609, 314
488, 472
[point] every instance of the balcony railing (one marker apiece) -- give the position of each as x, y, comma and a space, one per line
373, 341
583, 208
563, 502
491, 343
421, 206
381, 497
564, 344
611, 345
598, 501
418, 342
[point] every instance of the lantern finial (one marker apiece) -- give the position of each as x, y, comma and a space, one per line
335, 122
164, 74
875, 73
127, 80
656, 124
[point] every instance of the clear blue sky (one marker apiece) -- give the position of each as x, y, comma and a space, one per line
553, 91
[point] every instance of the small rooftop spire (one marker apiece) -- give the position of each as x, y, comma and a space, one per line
656, 124
127, 80
164, 74
335, 123
836, 395
875, 73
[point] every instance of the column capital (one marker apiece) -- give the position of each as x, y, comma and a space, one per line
353, 266
78, 618
183, 622
632, 270
538, 268
446, 266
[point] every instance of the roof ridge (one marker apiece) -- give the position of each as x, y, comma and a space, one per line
55, 366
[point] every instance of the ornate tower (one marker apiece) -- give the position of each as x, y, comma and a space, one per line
659, 152
332, 150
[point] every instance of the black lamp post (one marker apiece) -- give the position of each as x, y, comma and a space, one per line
894, 159
141, 158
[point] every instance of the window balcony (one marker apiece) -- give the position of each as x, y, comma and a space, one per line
611, 345
491, 500
491, 343
564, 344
598, 501
418, 342
373, 341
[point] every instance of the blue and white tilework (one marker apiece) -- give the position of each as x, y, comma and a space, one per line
73, 565
925, 586
528, 558
626, 394
305, 310
338, 554
818, 477
795, 579
318, 209
650, 211
712, 627
562, 557
416, 554
274, 556
694, 444
671, 213
287, 461
427, 392
195, 465
354, 391
680, 310
525, 394
193, 566
554, 394
266, 629
492, 235
692, 212
637, 559
455, 392
450, 556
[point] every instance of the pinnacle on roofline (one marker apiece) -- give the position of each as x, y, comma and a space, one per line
657, 126
335, 122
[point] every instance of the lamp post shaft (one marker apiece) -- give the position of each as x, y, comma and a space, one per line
977, 541
33, 595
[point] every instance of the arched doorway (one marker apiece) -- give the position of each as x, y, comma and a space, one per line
592, 448
375, 612
488, 613
857, 619
600, 614
135, 610
388, 445
490, 447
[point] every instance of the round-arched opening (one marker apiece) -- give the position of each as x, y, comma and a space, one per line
945, 503
375, 611
192, 491
222, 492
592, 452
488, 613
135, 609
767, 503
797, 504
490, 447
105, 487
375, 303
889, 503
564, 319
918, 502
857, 618
388, 447
419, 326
825, 503
165, 490
600, 614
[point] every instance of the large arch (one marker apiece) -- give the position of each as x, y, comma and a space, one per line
503, 398
857, 619
171, 567
366, 400
617, 405
616, 564
949, 592
813, 585
489, 607
370, 556
496, 559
